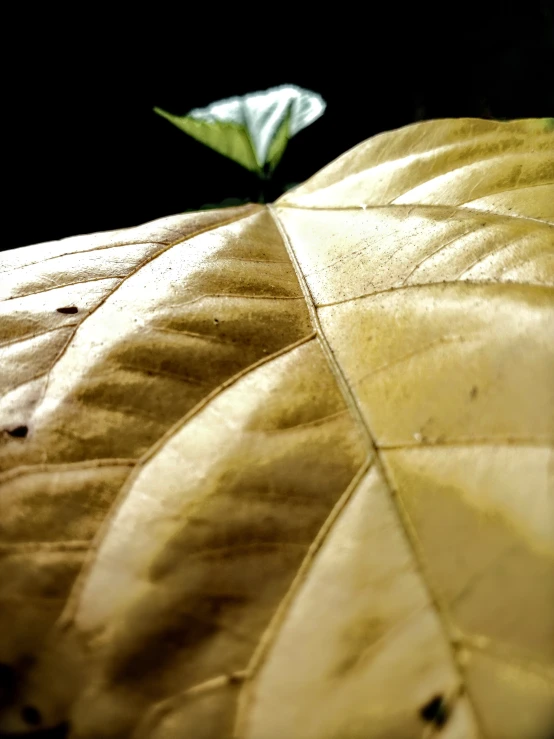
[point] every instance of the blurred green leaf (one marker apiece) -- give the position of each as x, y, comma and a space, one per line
254, 129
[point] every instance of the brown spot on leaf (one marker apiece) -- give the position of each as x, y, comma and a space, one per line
19, 432
31, 715
8, 680
435, 711
357, 639
68, 309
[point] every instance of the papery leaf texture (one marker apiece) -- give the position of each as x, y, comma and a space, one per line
286, 472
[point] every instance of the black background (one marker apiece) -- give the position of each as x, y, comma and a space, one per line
84, 152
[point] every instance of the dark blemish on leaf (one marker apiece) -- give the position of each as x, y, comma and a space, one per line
235, 678
68, 309
19, 432
357, 638
31, 715
26, 661
61, 731
474, 392
8, 679
198, 520
216, 320
435, 711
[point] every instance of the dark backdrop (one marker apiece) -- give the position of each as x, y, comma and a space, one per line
84, 152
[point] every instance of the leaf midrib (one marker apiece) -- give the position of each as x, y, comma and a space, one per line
375, 452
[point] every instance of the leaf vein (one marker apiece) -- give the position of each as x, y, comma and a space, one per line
352, 401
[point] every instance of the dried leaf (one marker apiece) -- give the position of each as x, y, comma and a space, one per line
287, 471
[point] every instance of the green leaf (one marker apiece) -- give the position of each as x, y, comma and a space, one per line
280, 141
254, 129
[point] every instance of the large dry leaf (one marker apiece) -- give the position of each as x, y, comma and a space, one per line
287, 473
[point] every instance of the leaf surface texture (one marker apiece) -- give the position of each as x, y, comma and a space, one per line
287, 471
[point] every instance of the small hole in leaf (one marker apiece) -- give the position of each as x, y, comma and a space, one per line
20, 432
68, 309
31, 715
435, 711
216, 320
